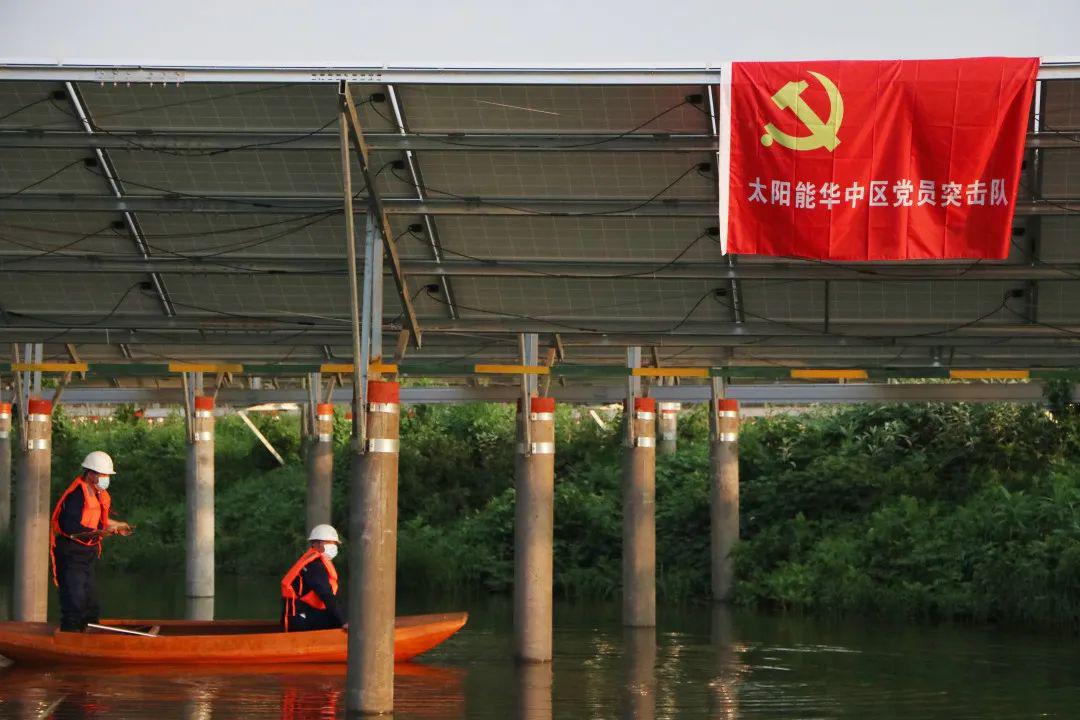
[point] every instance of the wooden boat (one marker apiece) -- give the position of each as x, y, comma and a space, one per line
194, 642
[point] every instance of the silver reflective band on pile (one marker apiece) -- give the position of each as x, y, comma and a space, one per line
537, 448
324, 418
645, 415
645, 442
391, 408
729, 437
668, 436
728, 413
4, 434
39, 444
204, 413
5, 416
204, 436
37, 417
325, 437
542, 416
382, 445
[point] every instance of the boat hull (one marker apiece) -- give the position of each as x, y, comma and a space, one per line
182, 642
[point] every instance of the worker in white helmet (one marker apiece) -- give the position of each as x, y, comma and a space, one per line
309, 589
80, 521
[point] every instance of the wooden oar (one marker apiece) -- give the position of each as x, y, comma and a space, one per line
120, 630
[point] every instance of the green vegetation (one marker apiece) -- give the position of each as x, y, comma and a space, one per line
921, 510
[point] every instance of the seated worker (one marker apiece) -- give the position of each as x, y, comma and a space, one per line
80, 521
309, 589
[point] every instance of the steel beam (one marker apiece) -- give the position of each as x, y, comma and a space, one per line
356, 134
205, 141
196, 141
430, 75
293, 204
599, 268
115, 184
779, 393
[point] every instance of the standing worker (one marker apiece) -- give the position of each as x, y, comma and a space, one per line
79, 523
310, 587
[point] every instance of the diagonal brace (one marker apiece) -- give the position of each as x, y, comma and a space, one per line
356, 134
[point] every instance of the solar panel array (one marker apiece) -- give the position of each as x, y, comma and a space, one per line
263, 277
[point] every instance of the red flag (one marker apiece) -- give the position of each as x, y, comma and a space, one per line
875, 160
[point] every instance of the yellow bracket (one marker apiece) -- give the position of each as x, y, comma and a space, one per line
176, 367
670, 372
49, 367
511, 370
822, 374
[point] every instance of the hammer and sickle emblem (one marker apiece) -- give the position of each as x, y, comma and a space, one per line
822, 132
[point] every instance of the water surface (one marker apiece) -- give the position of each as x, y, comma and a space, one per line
701, 662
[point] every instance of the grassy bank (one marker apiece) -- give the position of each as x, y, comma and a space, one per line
921, 510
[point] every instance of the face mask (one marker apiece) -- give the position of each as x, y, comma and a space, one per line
330, 551
103, 483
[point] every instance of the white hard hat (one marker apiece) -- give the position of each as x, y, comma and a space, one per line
99, 462
325, 533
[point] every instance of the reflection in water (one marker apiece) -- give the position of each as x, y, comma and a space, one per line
704, 663
724, 687
533, 697
296, 692
639, 684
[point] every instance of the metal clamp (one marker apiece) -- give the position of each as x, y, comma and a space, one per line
326, 437
204, 436
382, 445
391, 408
5, 416
4, 434
38, 417
537, 448
643, 441
37, 444
204, 414
645, 415
324, 418
669, 436
542, 416
728, 437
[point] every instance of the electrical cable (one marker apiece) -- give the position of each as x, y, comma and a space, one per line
591, 143
24, 107
529, 211
45, 179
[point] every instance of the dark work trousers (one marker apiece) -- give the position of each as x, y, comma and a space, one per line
78, 591
308, 618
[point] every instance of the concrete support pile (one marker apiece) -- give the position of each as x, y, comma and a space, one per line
724, 495
32, 515
320, 466
667, 427
372, 546
5, 469
200, 511
639, 517
534, 513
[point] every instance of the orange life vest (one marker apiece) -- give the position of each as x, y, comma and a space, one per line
95, 515
291, 596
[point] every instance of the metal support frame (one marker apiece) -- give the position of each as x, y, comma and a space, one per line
633, 390
356, 134
358, 330
288, 204
433, 75
117, 188
418, 182
780, 394
584, 268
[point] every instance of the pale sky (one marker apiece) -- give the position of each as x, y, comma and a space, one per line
541, 33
